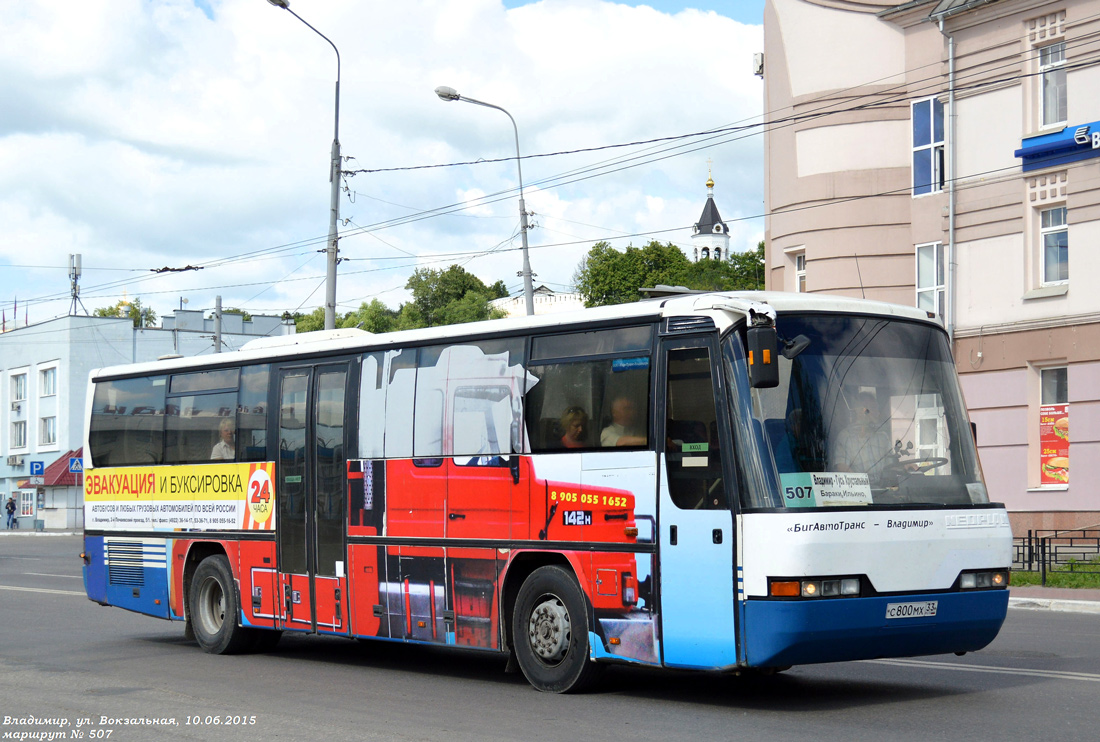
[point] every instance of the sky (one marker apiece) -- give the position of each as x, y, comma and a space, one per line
167, 134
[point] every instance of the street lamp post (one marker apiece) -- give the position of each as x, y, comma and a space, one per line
449, 94
334, 178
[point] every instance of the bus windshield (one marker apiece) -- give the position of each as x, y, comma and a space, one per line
867, 412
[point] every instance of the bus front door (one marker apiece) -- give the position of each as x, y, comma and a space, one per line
311, 475
696, 542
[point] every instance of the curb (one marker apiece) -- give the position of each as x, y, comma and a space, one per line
17, 532
1049, 604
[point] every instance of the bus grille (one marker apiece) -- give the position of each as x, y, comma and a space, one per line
124, 563
688, 324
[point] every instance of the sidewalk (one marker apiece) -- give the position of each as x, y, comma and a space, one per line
1055, 599
4, 531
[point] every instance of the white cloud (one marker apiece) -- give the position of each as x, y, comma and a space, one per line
145, 134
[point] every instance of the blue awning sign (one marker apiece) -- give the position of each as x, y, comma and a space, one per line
1071, 144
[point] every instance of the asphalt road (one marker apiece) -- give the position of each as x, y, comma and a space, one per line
65, 659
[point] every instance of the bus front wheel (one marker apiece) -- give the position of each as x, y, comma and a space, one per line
213, 606
550, 632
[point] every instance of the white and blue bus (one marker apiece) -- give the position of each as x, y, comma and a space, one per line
709, 481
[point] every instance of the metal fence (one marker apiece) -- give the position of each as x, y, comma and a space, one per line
1057, 551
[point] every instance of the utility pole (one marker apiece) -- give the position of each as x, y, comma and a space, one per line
218, 324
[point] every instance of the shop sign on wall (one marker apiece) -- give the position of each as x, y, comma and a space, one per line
1054, 444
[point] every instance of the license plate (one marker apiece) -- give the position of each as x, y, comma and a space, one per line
912, 610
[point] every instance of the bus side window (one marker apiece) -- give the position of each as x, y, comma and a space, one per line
201, 412
127, 425
464, 398
589, 404
252, 414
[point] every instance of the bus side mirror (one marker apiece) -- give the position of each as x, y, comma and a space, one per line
763, 350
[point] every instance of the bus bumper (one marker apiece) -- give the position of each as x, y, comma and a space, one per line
798, 632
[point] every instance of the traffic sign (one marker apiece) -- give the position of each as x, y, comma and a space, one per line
38, 468
34, 480
76, 465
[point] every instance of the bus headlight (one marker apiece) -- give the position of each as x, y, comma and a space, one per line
980, 580
815, 588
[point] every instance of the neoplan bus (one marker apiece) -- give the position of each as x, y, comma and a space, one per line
713, 481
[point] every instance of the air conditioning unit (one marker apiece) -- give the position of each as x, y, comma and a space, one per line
16, 406
15, 461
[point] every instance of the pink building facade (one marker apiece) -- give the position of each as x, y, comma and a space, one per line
945, 154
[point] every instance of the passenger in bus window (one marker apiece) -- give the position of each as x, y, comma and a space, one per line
223, 449
864, 446
624, 429
574, 421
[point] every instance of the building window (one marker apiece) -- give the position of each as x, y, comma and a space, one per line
930, 283
26, 504
928, 162
47, 386
1054, 236
800, 273
19, 388
47, 431
19, 434
1052, 75
1054, 385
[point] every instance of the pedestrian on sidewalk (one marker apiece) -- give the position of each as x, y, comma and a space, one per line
9, 508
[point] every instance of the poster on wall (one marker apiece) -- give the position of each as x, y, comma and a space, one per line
1054, 444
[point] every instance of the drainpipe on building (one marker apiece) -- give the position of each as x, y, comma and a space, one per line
951, 252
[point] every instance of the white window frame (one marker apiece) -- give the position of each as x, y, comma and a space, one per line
932, 286
934, 147
800, 273
1061, 226
18, 430
47, 381
19, 386
26, 504
47, 431
1042, 388
1055, 67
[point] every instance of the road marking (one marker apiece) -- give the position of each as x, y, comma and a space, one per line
45, 574
1055, 674
41, 590
29, 559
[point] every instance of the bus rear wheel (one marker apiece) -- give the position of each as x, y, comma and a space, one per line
213, 607
550, 632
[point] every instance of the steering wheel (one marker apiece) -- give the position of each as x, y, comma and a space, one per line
919, 465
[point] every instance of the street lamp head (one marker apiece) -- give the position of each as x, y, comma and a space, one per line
280, 4
444, 92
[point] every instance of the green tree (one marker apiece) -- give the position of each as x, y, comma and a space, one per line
315, 320
609, 276
741, 271
142, 316
440, 296
374, 317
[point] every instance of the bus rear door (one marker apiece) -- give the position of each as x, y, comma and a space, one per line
311, 475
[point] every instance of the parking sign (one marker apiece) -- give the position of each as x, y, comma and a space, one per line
38, 468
